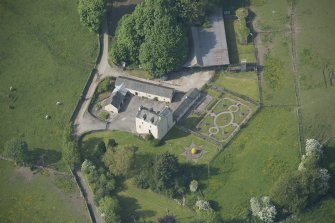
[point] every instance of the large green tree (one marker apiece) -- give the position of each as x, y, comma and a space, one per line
91, 13
120, 160
165, 47
165, 171
16, 149
153, 36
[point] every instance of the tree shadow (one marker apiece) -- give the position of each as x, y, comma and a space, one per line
44, 157
233, 5
129, 209
115, 11
231, 41
329, 163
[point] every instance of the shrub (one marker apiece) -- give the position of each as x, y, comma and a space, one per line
104, 115
99, 149
193, 185
112, 142
203, 205
16, 149
104, 86
263, 209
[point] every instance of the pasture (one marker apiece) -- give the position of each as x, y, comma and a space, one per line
46, 56
29, 197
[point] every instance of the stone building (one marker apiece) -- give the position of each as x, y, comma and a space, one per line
116, 100
146, 89
156, 123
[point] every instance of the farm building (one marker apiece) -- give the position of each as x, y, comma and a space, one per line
156, 123
115, 101
210, 44
146, 89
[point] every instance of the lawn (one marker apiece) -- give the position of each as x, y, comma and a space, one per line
316, 67
28, 197
145, 203
175, 142
263, 151
244, 83
46, 55
150, 205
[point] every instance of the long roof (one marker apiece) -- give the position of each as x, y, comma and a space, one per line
146, 87
210, 44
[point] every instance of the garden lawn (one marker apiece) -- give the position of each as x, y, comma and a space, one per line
262, 152
46, 55
315, 42
242, 83
175, 142
28, 197
150, 205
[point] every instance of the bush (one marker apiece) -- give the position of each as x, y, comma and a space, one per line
193, 186
99, 149
263, 209
104, 115
16, 149
91, 13
104, 86
112, 143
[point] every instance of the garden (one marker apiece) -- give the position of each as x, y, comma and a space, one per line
127, 170
226, 117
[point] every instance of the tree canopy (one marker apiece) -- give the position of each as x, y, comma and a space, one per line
109, 208
119, 161
154, 36
91, 13
16, 149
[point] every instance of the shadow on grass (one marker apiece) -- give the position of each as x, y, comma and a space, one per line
329, 163
129, 210
44, 157
231, 41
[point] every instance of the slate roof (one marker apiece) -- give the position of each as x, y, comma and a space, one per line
146, 87
116, 99
149, 115
210, 44
186, 101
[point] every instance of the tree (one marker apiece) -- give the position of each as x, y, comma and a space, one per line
165, 171
207, 216
70, 153
16, 149
263, 209
99, 149
119, 161
153, 37
109, 209
165, 47
301, 189
91, 13
167, 219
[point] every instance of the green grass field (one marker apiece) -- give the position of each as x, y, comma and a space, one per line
46, 55
251, 164
175, 143
150, 205
316, 67
28, 197
243, 83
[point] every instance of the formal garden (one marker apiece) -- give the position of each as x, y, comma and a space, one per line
226, 117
